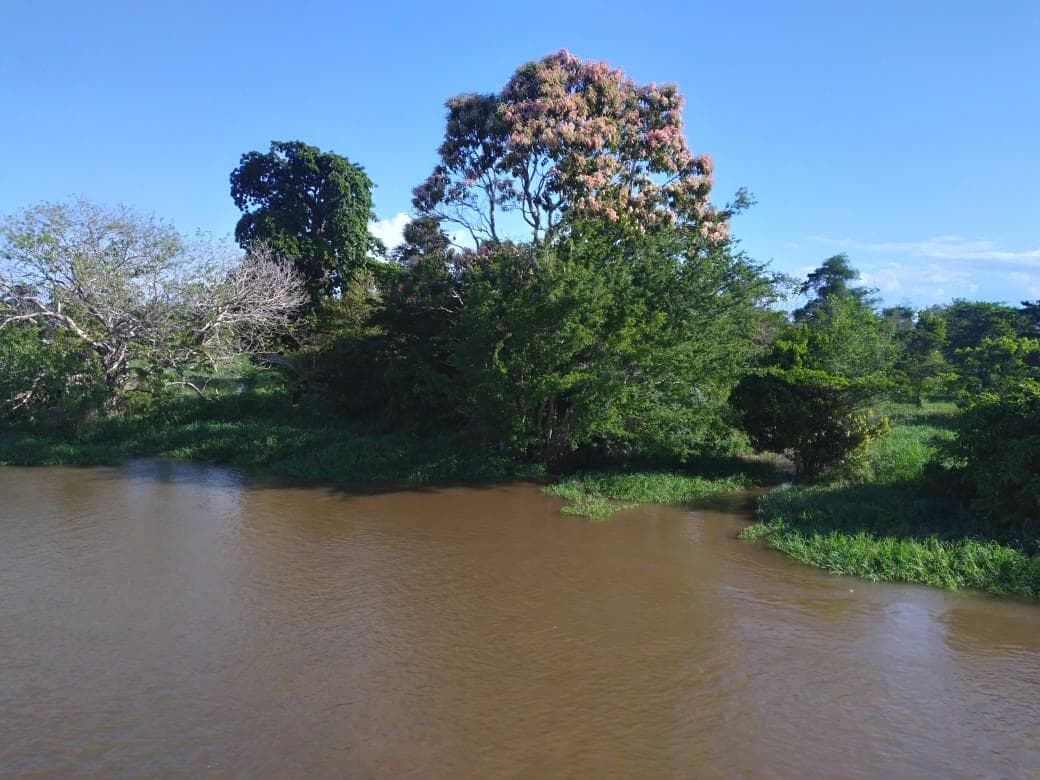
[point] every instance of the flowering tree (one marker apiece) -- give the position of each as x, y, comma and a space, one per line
566, 136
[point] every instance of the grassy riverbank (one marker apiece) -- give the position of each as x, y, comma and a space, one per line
598, 495
888, 524
893, 525
261, 432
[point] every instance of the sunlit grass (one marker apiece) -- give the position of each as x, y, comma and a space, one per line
600, 494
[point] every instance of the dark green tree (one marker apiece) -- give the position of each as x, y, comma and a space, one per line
821, 419
838, 331
900, 318
968, 323
311, 207
830, 280
626, 345
847, 337
998, 447
607, 343
1030, 318
921, 360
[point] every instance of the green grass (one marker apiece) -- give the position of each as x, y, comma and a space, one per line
897, 527
598, 495
903, 453
264, 434
885, 532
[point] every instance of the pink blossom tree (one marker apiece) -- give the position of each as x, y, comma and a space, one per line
569, 137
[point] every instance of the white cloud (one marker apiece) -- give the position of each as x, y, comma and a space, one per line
921, 282
390, 231
1028, 284
933, 268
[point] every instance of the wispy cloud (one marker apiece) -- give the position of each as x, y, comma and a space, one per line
934, 269
929, 282
957, 248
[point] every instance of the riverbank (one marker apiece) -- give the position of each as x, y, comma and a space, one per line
894, 524
888, 526
264, 435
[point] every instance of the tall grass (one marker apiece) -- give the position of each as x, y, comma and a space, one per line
598, 495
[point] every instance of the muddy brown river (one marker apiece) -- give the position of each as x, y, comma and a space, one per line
171, 620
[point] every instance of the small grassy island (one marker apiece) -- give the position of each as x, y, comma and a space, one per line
567, 301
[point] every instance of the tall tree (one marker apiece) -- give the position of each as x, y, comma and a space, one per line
922, 361
838, 331
830, 280
311, 207
569, 137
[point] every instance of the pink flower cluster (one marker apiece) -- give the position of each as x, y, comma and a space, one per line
580, 136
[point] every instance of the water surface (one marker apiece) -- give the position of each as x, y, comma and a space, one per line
168, 619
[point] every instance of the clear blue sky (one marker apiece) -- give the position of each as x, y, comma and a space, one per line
907, 134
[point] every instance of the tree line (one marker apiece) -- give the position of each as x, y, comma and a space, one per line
568, 291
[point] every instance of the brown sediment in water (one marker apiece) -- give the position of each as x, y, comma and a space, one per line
171, 619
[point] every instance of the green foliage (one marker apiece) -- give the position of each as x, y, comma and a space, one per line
838, 331
968, 323
46, 375
996, 364
921, 365
998, 449
311, 207
253, 430
846, 337
895, 533
597, 495
627, 345
824, 420
904, 453
828, 282
604, 345
1030, 318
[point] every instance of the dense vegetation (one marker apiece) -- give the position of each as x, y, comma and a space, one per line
594, 318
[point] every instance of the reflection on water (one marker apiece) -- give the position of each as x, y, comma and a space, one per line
169, 619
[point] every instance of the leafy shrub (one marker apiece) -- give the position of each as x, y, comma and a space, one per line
824, 420
998, 447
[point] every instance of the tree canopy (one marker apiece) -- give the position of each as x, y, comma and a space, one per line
310, 207
569, 137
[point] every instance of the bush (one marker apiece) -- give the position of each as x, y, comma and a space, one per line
998, 450
824, 420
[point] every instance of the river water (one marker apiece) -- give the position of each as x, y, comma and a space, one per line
164, 619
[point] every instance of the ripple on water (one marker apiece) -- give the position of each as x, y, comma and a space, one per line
171, 619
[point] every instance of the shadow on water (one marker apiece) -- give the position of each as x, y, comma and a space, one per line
179, 472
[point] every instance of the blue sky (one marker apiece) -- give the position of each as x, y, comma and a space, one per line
907, 134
